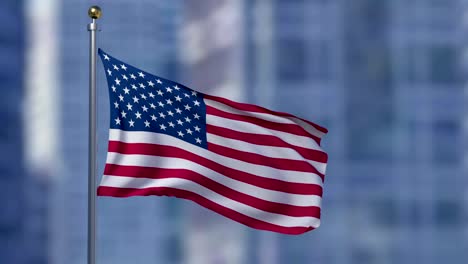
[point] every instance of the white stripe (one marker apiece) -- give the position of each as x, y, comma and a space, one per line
268, 151
179, 163
260, 170
247, 127
182, 184
265, 116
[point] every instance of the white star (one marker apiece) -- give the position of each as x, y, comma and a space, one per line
138, 115
143, 96
113, 88
145, 109
131, 123
160, 104
121, 98
106, 57
124, 115
189, 131
142, 75
129, 106
158, 81
159, 92
187, 107
179, 122
153, 117
162, 126
198, 140
178, 98
180, 134
117, 81
135, 99
178, 110
126, 90
177, 88
117, 121
196, 116
169, 89
196, 128
171, 124
124, 77
194, 93
116, 104
168, 101
152, 106
196, 103
162, 115
123, 67
170, 113
109, 72
186, 95
132, 76
147, 124
142, 86
151, 95
134, 87
115, 67
187, 119
150, 83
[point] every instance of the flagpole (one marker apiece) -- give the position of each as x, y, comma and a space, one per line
94, 13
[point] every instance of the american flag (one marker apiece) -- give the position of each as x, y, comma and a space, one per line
261, 168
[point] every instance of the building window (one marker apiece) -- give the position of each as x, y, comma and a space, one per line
447, 214
443, 66
292, 59
370, 132
410, 69
320, 60
290, 13
385, 212
436, 64
445, 141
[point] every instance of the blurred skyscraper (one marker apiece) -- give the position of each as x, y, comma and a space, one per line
13, 178
384, 77
212, 51
132, 230
404, 101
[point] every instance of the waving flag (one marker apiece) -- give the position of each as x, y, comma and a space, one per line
261, 168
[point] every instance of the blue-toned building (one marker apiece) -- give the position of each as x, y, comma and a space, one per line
385, 78
212, 56
133, 230
12, 171
23, 215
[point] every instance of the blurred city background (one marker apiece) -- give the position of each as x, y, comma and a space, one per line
386, 77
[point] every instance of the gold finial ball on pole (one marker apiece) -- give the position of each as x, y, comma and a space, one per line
94, 12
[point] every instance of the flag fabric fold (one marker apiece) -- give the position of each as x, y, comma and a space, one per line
262, 168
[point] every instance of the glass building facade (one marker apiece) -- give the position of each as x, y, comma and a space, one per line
385, 78
14, 210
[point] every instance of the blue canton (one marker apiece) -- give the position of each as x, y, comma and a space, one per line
141, 101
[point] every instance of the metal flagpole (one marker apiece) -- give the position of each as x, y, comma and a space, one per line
94, 13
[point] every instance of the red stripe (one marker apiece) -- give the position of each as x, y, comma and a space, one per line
282, 164
158, 173
267, 140
259, 109
227, 212
288, 128
169, 151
